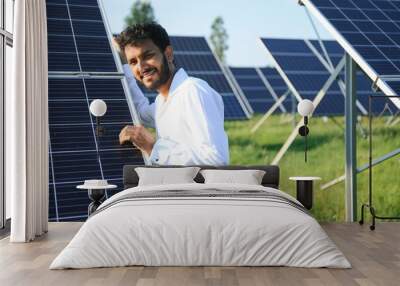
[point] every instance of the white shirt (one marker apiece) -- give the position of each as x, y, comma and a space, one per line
189, 122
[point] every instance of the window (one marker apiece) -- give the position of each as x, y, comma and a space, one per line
6, 43
9, 13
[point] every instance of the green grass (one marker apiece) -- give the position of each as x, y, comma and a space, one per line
325, 159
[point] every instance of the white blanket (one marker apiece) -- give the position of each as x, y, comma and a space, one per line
183, 231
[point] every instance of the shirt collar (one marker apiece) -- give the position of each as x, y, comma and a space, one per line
179, 77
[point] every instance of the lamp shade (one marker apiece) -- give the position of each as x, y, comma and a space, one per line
305, 107
98, 107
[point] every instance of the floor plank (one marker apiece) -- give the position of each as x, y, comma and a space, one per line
375, 257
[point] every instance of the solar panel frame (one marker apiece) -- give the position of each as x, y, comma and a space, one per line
383, 81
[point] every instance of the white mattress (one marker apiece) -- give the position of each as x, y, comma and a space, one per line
203, 231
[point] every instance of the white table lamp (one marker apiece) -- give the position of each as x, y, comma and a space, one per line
98, 108
305, 108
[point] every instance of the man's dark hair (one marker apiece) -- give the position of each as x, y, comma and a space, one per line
132, 35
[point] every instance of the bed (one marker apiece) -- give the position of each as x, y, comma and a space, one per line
198, 224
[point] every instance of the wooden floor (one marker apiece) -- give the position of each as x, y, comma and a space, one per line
375, 257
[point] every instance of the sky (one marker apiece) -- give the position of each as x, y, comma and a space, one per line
245, 22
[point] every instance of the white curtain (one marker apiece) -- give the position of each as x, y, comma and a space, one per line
27, 123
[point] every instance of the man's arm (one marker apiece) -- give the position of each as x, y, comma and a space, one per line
207, 142
145, 110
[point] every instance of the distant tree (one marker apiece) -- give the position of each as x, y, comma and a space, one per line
219, 38
141, 12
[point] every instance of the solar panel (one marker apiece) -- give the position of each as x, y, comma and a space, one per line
79, 44
300, 66
195, 56
364, 84
255, 89
369, 31
77, 39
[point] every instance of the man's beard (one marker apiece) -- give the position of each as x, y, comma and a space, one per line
165, 74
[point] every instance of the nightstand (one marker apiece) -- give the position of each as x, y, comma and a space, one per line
96, 193
304, 190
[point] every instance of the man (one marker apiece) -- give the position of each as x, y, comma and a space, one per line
188, 114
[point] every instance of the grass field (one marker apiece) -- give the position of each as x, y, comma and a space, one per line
325, 159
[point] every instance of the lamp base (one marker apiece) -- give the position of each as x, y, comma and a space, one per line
100, 130
303, 130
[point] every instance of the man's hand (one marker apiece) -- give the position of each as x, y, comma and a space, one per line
121, 53
139, 136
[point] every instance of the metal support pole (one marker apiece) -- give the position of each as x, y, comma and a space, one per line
328, 59
350, 141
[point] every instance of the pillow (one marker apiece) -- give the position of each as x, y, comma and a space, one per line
164, 176
248, 177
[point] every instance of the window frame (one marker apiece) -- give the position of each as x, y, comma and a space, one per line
6, 39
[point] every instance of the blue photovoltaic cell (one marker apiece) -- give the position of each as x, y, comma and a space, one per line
232, 109
62, 2
72, 204
217, 81
110, 89
254, 89
73, 166
97, 62
94, 45
56, 11
297, 63
372, 28
59, 92
87, 28
68, 112
61, 44
85, 13
189, 44
108, 139
77, 38
197, 63
280, 87
72, 137
308, 74
275, 79
83, 2
195, 56
75, 155
59, 27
